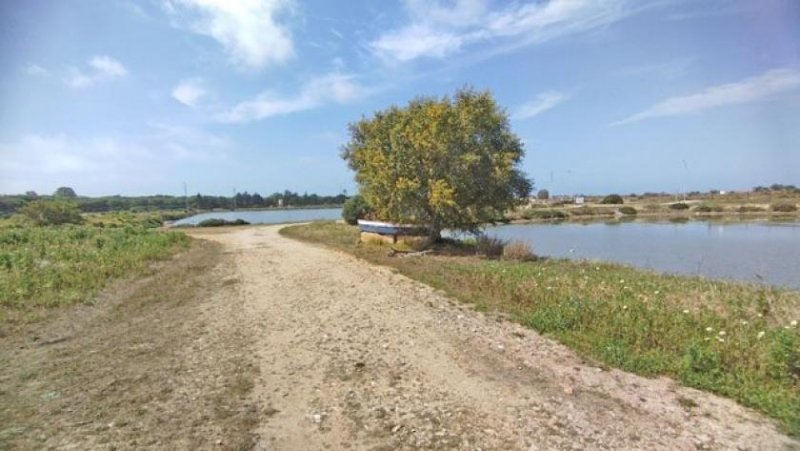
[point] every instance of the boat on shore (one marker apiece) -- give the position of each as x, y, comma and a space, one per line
389, 231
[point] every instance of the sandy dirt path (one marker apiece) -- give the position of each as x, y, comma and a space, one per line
355, 356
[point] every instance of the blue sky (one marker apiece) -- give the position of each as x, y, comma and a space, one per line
124, 97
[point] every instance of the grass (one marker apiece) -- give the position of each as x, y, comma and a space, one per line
732, 339
45, 267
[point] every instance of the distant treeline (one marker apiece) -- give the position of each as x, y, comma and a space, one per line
11, 203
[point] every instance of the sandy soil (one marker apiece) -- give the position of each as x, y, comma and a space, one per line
354, 356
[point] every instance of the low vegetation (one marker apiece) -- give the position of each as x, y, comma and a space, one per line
627, 210
44, 267
217, 222
615, 199
784, 208
355, 208
679, 206
737, 340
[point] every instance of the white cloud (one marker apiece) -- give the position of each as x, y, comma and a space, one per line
247, 29
416, 41
106, 163
437, 30
189, 91
748, 90
102, 67
542, 103
334, 87
34, 70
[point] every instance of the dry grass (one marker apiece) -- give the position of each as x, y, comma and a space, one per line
145, 366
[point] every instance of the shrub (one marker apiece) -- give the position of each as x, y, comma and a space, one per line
708, 208
588, 211
518, 250
217, 222
489, 246
612, 199
543, 214
784, 208
543, 194
679, 206
52, 212
626, 210
749, 209
355, 208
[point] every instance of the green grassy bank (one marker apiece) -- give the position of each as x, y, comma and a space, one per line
736, 340
45, 267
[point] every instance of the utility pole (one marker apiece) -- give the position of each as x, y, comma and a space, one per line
185, 197
686, 167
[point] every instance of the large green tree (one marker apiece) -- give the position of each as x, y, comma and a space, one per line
449, 162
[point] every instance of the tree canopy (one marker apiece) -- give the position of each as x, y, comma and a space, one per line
439, 162
65, 191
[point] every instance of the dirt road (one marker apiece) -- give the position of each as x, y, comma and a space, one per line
354, 356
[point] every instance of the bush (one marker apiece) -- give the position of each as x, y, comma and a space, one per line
489, 246
784, 208
52, 212
679, 206
217, 222
750, 209
706, 208
355, 208
628, 210
543, 194
612, 199
588, 211
543, 214
518, 250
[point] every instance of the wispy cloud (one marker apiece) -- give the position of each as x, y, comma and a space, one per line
671, 69
334, 87
34, 70
100, 161
189, 91
248, 30
543, 102
436, 30
101, 68
749, 90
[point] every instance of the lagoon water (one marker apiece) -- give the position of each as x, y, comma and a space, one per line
761, 252
275, 216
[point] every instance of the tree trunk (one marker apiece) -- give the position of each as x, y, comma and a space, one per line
435, 232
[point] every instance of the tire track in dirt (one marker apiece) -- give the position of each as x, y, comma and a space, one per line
354, 356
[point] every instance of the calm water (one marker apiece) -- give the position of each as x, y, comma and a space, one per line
267, 216
752, 252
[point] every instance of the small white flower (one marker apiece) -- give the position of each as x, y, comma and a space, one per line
709, 329
686, 312
761, 335
793, 323
656, 292
760, 315
721, 333
624, 307
621, 280
597, 268
720, 339
744, 323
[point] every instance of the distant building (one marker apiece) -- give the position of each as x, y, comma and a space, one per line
280, 202
580, 200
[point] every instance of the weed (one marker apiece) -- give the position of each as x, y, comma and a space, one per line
518, 250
